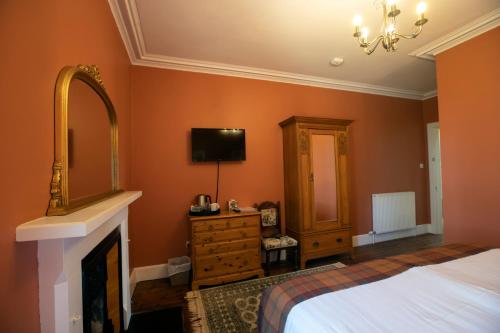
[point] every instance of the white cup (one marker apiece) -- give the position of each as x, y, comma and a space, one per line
214, 206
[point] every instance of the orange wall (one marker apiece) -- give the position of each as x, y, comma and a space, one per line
430, 110
469, 112
386, 148
38, 38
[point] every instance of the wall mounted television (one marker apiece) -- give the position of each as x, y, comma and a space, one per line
217, 144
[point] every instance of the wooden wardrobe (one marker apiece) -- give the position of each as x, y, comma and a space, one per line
316, 185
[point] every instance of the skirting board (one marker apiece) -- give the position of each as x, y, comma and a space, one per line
146, 273
360, 240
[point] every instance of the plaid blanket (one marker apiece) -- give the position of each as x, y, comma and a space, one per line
277, 301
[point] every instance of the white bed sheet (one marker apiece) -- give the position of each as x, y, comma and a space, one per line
462, 295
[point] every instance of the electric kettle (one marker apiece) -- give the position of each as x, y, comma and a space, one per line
203, 200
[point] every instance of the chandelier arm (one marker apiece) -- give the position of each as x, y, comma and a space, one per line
376, 41
412, 35
367, 44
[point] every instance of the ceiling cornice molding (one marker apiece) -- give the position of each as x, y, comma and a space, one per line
430, 94
475, 28
120, 23
135, 45
271, 75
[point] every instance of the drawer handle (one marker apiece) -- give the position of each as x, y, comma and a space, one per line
210, 227
339, 240
208, 268
245, 246
244, 224
210, 239
243, 234
245, 262
210, 251
316, 244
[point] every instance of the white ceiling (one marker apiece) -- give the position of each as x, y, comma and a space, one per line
292, 39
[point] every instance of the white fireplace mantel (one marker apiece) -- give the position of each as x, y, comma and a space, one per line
63, 241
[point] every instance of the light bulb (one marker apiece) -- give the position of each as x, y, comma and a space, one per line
357, 21
389, 29
364, 33
391, 2
421, 8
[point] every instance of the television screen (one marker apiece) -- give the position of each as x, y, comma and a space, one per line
217, 144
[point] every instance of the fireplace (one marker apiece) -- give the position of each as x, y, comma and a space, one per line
83, 259
102, 287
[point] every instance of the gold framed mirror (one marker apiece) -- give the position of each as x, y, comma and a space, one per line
85, 168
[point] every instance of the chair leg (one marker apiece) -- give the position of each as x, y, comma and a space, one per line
268, 262
297, 258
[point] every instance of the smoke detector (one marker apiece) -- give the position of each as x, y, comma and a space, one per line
337, 61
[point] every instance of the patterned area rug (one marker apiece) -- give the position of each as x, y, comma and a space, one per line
234, 307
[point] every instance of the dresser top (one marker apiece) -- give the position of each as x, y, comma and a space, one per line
222, 215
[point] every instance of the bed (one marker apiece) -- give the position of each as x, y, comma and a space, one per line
454, 288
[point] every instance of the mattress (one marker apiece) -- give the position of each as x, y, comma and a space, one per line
461, 295
277, 301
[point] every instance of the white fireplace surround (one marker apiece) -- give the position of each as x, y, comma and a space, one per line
63, 241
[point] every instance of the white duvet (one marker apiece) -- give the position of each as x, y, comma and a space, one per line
462, 295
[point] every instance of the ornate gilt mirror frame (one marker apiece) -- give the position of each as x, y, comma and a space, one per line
60, 203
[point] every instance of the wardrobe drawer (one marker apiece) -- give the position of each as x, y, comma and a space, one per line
326, 241
227, 263
225, 247
225, 235
224, 224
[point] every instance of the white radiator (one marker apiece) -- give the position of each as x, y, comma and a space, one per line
393, 211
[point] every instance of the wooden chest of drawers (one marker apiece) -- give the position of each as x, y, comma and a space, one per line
225, 248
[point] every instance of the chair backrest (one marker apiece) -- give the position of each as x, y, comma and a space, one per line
270, 219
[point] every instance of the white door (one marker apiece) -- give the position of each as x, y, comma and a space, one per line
435, 184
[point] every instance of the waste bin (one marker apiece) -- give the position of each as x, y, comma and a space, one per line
178, 270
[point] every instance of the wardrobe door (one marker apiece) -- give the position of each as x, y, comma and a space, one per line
324, 179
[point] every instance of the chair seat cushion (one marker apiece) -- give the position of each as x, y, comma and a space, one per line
277, 243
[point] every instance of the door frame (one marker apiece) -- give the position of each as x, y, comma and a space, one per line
435, 178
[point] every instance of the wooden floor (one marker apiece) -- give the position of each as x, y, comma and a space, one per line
159, 294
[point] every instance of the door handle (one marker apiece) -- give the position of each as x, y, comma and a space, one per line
311, 177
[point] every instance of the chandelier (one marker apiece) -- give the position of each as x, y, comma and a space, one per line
389, 35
